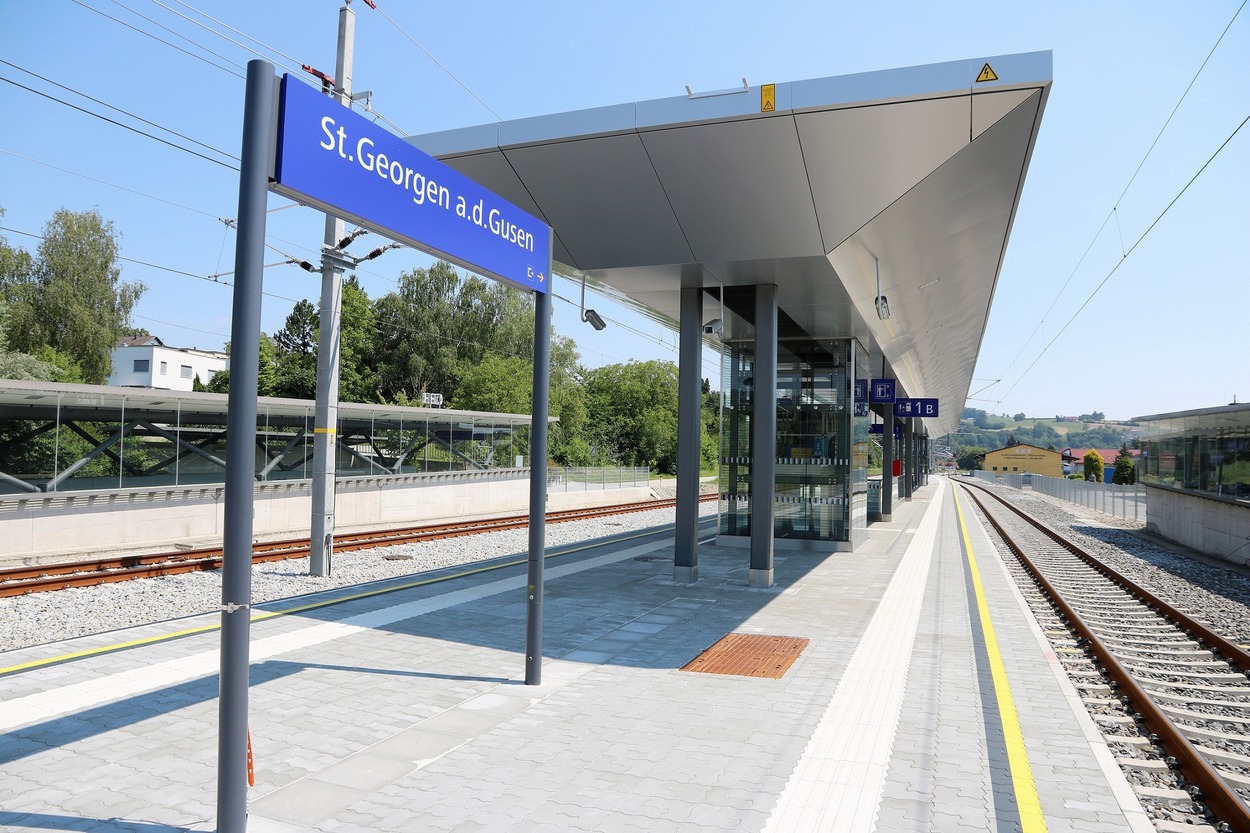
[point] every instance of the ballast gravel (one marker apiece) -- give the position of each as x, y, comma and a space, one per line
63, 614
1218, 594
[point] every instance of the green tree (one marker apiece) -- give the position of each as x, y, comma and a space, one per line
1020, 417
633, 411
416, 350
499, 384
1125, 470
568, 444
1093, 465
267, 375
439, 324
71, 298
358, 339
14, 365
16, 265
971, 457
295, 370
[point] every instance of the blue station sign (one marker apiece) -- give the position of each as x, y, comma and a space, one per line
882, 391
340, 162
915, 407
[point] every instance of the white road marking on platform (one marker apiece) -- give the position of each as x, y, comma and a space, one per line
838, 782
76, 697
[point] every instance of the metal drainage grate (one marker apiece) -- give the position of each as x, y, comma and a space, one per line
748, 655
650, 558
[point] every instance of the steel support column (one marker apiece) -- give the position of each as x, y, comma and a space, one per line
329, 342
689, 434
763, 437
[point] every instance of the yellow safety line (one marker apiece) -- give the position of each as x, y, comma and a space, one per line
1027, 802
260, 617
324, 431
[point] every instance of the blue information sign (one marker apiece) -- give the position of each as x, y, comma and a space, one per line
882, 391
915, 407
340, 162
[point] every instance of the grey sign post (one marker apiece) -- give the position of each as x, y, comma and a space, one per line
326, 156
236, 575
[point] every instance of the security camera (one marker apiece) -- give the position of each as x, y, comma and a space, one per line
713, 327
883, 307
593, 319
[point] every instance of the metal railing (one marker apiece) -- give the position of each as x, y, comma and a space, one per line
585, 479
1121, 501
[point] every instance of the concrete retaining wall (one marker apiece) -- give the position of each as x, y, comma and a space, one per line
37, 526
1216, 527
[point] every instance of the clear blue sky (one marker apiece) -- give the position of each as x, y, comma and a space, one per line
1164, 332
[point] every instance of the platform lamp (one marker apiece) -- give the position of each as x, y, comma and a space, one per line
589, 315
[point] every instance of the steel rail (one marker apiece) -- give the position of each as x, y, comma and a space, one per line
1223, 800
19, 581
1225, 647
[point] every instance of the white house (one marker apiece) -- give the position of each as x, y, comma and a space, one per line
145, 362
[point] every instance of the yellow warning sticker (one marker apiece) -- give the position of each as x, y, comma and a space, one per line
987, 74
768, 98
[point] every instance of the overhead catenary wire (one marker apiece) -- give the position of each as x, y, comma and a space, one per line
187, 52
148, 122
292, 63
122, 125
437, 63
99, 181
1130, 250
1113, 213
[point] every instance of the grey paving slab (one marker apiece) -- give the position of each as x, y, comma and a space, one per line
422, 722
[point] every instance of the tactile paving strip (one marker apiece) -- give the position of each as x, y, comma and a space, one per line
749, 655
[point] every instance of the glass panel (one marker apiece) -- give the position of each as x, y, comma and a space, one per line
737, 360
1208, 453
813, 442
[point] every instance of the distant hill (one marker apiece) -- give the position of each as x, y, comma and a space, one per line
989, 431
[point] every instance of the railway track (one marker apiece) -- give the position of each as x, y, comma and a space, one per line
1183, 681
46, 577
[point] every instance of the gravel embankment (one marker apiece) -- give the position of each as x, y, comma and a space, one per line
1219, 594
48, 617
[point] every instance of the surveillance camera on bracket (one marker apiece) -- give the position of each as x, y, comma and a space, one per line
713, 328
592, 318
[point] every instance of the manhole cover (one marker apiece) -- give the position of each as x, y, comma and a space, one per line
749, 655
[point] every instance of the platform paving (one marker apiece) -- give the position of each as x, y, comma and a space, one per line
407, 711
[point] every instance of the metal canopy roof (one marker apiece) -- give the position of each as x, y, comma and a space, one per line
920, 168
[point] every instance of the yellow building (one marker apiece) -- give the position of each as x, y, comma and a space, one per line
1018, 459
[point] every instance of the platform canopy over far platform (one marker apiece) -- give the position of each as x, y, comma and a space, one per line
806, 185
50, 433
